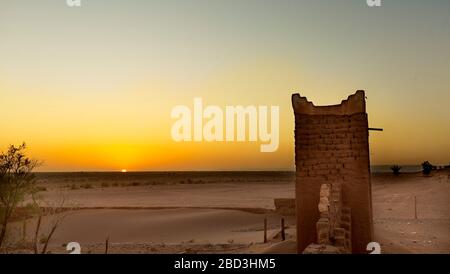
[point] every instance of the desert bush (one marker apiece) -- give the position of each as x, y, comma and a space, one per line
104, 184
59, 212
74, 187
17, 183
426, 168
396, 169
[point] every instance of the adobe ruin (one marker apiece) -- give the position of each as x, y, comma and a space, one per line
333, 191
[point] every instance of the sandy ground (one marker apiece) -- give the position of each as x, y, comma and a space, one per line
227, 195
227, 217
174, 229
396, 228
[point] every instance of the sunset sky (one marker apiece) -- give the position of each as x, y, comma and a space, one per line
92, 88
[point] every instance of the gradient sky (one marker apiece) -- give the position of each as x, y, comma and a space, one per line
91, 88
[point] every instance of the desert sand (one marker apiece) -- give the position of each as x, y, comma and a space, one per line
225, 214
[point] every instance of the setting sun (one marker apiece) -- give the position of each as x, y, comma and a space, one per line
124, 170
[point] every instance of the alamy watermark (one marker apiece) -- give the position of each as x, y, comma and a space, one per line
237, 123
373, 3
73, 3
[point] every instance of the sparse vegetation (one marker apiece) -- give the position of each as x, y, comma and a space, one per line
104, 184
17, 183
426, 168
190, 181
59, 212
396, 169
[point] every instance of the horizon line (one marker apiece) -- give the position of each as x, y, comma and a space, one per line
213, 170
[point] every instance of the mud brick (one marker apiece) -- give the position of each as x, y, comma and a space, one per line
332, 146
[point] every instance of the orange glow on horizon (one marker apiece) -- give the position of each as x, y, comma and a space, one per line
89, 92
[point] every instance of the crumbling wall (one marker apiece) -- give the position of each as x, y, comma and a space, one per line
331, 147
333, 229
334, 225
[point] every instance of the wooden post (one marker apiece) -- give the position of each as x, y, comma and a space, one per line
24, 231
415, 207
265, 230
283, 235
107, 245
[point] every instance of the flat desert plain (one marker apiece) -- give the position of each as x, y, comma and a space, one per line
221, 212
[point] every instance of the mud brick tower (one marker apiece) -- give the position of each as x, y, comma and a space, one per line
332, 148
